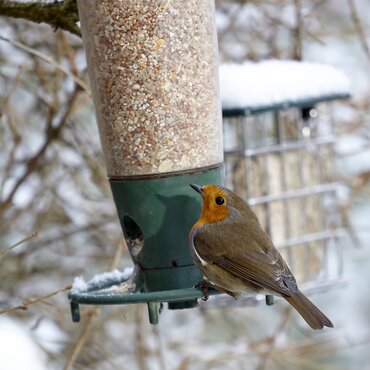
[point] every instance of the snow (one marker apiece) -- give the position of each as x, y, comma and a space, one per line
101, 280
18, 348
117, 275
271, 82
50, 336
79, 285
351, 143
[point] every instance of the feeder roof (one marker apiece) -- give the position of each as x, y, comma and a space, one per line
278, 84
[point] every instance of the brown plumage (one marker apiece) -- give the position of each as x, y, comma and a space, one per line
235, 255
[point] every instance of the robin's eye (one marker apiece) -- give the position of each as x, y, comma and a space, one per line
220, 201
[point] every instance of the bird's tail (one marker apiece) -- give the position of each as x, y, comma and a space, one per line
311, 314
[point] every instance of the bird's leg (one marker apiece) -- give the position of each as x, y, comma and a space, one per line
206, 284
160, 307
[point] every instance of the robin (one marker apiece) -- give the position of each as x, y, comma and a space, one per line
235, 255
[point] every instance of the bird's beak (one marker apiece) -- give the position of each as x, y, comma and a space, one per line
198, 189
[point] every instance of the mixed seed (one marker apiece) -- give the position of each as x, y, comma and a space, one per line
155, 83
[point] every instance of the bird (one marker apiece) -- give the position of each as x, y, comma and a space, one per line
235, 255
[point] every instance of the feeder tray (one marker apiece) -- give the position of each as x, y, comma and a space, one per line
103, 294
99, 295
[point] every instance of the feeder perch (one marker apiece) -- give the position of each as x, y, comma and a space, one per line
154, 76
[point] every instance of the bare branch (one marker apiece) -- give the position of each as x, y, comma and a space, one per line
49, 60
94, 313
4, 251
63, 15
33, 163
297, 52
27, 302
359, 28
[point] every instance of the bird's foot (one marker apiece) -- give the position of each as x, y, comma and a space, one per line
204, 285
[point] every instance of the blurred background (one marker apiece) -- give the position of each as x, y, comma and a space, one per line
58, 219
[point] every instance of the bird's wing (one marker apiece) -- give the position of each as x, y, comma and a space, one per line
265, 268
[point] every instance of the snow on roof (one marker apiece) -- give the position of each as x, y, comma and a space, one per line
271, 82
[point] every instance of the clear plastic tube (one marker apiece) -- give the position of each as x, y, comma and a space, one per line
154, 76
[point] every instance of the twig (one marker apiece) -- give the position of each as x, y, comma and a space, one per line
62, 15
4, 251
265, 355
84, 335
27, 302
32, 163
49, 60
140, 350
348, 224
359, 28
298, 50
118, 254
299, 362
12, 127
93, 226
160, 351
94, 313
6, 99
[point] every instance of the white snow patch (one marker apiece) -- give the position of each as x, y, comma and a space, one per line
356, 163
222, 21
351, 143
79, 285
50, 336
105, 277
344, 194
275, 81
18, 348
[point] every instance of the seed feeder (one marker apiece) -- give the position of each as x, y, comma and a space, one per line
154, 77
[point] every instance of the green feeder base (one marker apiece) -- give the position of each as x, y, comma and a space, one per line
156, 215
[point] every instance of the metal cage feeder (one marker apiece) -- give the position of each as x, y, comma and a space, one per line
280, 158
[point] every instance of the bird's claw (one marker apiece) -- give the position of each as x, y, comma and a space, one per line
204, 285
